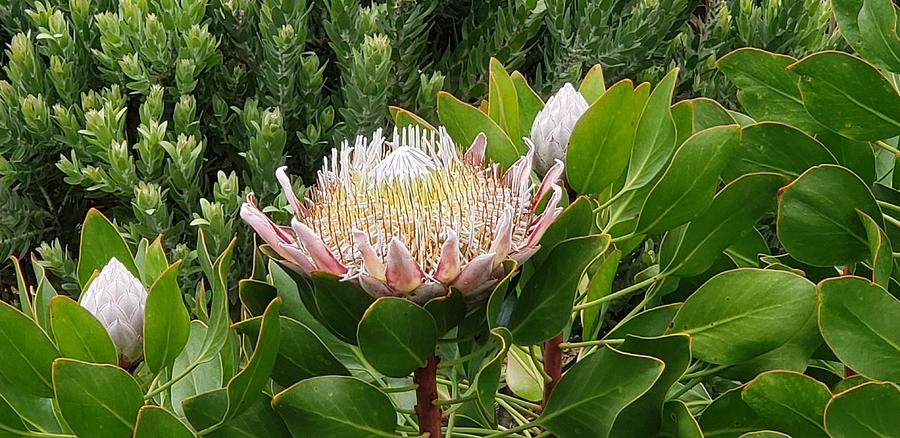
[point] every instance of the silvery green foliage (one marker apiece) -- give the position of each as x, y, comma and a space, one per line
116, 298
553, 125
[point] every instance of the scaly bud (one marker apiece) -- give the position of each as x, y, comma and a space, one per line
116, 298
553, 125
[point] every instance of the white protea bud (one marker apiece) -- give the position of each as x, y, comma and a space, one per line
553, 125
116, 298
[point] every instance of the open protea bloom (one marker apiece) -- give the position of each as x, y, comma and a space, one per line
116, 298
412, 216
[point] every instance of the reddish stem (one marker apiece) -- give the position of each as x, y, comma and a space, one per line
426, 393
552, 365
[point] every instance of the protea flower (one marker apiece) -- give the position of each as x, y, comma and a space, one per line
116, 298
553, 125
412, 216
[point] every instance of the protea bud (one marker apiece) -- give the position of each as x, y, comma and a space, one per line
553, 125
116, 298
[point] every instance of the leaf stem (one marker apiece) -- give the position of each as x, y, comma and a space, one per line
887, 147
514, 430
891, 220
28, 433
704, 372
173, 380
573, 345
634, 287
407, 388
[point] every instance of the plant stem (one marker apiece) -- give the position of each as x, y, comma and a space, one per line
687, 387
634, 287
399, 389
887, 147
552, 365
572, 345
149, 396
28, 433
891, 220
426, 394
513, 430
622, 237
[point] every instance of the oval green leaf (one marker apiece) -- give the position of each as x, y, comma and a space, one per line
154, 421
869, 409
601, 140
96, 400
101, 241
166, 321
464, 122
817, 219
583, 403
27, 353
778, 148
337, 407
397, 336
743, 313
545, 304
687, 187
864, 108
79, 335
859, 321
790, 402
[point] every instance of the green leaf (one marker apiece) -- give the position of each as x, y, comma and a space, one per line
101, 241
854, 155
600, 286
654, 141
503, 105
642, 417
545, 304
734, 210
403, 117
601, 140
154, 421
593, 392
529, 103
79, 335
337, 407
766, 90
522, 375
877, 23
865, 108
301, 354
245, 387
765, 434
397, 336
687, 187
577, 219
593, 85
447, 310
728, 417
341, 304
817, 220
27, 353
464, 122
649, 323
790, 402
205, 377
858, 320
9, 421
708, 113
677, 422
166, 321
792, 356
44, 293
487, 380
743, 313
745, 251
255, 295
778, 148
869, 409
155, 261
22, 289
96, 400
206, 409
880, 259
